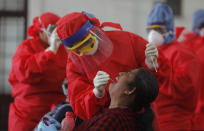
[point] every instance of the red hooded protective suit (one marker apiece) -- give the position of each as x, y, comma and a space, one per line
36, 77
177, 98
196, 43
128, 53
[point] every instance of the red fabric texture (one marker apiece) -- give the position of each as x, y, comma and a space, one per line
198, 120
41, 21
179, 31
196, 43
71, 23
177, 99
36, 77
110, 24
192, 41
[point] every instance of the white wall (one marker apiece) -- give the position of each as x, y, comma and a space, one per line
189, 7
131, 14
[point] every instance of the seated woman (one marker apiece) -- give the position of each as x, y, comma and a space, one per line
129, 108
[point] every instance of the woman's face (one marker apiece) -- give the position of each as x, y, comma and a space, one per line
123, 79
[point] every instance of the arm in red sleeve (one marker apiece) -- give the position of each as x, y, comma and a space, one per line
29, 64
80, 92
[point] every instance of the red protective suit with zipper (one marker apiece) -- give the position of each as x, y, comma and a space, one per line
36, 77
177, 98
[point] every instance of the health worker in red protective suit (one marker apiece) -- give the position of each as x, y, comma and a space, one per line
38, 70
177, 98
96, 57
195, 42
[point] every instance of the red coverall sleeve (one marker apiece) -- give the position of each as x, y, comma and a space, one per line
28, 66
185, 78
80, 92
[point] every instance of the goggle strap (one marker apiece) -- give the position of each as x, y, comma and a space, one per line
155, 26
111, 24
79, 44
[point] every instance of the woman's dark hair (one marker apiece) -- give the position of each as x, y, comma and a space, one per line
147, 90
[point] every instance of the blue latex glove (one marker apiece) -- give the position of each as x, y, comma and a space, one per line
52, 125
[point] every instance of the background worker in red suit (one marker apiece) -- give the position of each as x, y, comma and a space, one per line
38, 70
177, 98
195, 40
97, 57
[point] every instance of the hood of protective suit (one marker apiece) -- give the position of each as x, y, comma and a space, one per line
198, 19
74, 30
40, 22
162, 14
72, 22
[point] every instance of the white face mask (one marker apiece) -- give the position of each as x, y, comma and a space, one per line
155, 38
202, 32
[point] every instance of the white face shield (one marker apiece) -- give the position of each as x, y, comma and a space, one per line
89, 46
155, 38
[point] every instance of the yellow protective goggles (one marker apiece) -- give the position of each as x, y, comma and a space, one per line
84, 46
